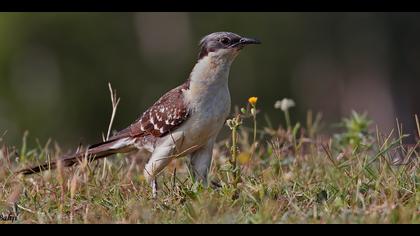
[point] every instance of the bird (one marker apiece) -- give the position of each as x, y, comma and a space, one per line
185, 121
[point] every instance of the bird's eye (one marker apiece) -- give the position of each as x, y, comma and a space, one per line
225, 40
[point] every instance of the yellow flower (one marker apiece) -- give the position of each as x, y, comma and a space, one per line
253, 100
244, 158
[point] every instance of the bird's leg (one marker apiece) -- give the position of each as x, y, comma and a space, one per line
160, 158
154, 188
201, 161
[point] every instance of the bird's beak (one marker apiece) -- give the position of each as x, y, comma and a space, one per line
245, 41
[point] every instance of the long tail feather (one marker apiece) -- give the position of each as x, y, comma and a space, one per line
93, 152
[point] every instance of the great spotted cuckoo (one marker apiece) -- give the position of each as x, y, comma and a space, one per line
183, 122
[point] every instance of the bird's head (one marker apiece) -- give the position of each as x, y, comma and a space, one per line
223, 45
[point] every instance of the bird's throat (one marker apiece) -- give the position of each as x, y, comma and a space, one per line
211, 71
208, 79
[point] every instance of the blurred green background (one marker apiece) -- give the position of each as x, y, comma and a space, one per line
54, 67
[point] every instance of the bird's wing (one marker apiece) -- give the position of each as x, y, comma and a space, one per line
164, 116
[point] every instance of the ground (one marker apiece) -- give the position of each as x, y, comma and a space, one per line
290, 174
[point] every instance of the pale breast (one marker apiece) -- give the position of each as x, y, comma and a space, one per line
208, 100
207, 118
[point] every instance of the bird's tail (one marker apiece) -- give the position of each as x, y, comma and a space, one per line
94, 152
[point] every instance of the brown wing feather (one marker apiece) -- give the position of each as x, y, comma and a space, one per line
164, 116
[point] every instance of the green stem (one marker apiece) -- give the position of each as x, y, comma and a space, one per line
286, 114
255, 137
235, 169
233, 160
255, 130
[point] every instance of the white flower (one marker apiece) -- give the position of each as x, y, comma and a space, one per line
284, 104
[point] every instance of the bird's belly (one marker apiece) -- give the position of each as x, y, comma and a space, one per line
205, 124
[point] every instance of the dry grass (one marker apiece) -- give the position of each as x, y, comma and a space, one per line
290, 176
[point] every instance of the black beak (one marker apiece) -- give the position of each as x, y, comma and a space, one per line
245, 41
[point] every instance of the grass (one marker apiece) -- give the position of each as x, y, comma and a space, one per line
296, 174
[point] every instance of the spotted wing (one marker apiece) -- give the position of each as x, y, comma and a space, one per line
164, 116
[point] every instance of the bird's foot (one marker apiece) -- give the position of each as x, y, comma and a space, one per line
154, 188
